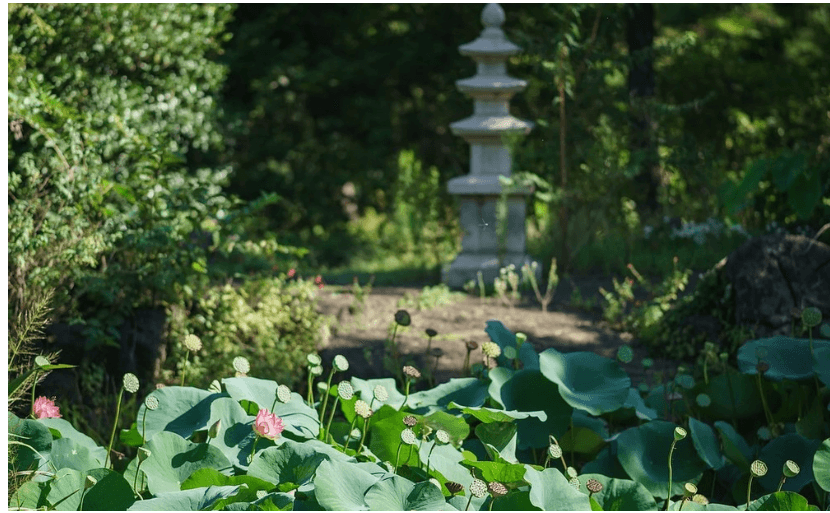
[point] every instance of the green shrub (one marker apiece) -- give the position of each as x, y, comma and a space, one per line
271, 322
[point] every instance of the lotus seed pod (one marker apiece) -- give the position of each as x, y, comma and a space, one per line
811, 317
317, 370
491, 349
402, 318
574, 482
442, 436
89, 482
411, 372
143, 453
703, 400
510, 353
431, 332
345, 390
679, 433
764, 433
215, 387
762, 367
192, 343
700, 499
41, 361
686, 381
758, 469
593, 486
151, 402
571, 472
130, 382
314, 359
761, 352
341, 363
454, 487
643, 387
791, 469
408, 436
647, 363
472, 345
689, 490
260, 494
322, 387
521, 338
284, 394
380, 393
625, 354
410, 420
241, 365
355, 434
436, 352
497, 489
478, 488
362, 409
555, 451
825, 330
213, 432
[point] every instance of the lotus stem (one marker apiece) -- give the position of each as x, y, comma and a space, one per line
363, 435
253, 450
327, 432
184, 367
398, 455
325, 403
114, 426
349, 436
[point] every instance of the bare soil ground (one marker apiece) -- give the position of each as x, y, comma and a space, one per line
360, 336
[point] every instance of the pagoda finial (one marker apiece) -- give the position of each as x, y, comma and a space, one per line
492, 16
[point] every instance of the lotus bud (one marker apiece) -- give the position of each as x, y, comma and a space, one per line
213, 432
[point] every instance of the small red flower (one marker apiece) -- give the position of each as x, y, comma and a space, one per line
268, 425
292, 272
45, 408
318, 280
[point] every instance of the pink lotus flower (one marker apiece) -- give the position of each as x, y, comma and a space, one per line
268, 425
46, 409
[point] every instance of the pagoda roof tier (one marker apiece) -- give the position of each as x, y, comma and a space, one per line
490, 84
489, 126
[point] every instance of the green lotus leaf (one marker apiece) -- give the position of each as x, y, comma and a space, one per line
498, 377
291, 462
788, 358
605, 463
706, 443
821, 465
236, 427
487, 415
582, 440
545, 397
65, 490
635, 402
60, 428
620, 494
444, 463
385, 437
30, 496
466, 391
780, 501
111, 493
455, 426
504, 338
182, 410
597, 425
366, 391
275, 501
513, 501
694, 506
550, 491
811, 424
643, 452
67, 453
195, 499
790, 446
586, 380
173, 459
732, 394
735, 447
398, 494
298, 418
660, 400
501, 471
339, 486
36, 436
821, 361
500, 437
131, 436
206, 477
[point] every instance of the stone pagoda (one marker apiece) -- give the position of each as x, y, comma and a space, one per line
478, 192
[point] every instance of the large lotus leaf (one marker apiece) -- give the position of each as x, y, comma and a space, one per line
236, 426
60, 428
586, 380
514, 501
195, 499
504, 338
811, 424
780, 501
445, 460
275, 501
620, 494
30, 496
36, 436
456, 427
172, 460
643, 452
365, 389
498, 377
501, 437
582, 440
249, 486
550, 491
182, 410
111, 492
595, 424
735, 447
66, 453
385, 438
339, 486
635, 402
529, 390
466, 391
65, 490
706, 443
694, 506
788, 358
606, 463
821, 465
398, 494
664, 400
790, 446
501, 471
298, 418
821, 361
733, 395
459, 502
487, 415
291, 462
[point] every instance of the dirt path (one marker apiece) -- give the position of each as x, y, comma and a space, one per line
360, 336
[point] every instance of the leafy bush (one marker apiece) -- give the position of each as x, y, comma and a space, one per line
270, 321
